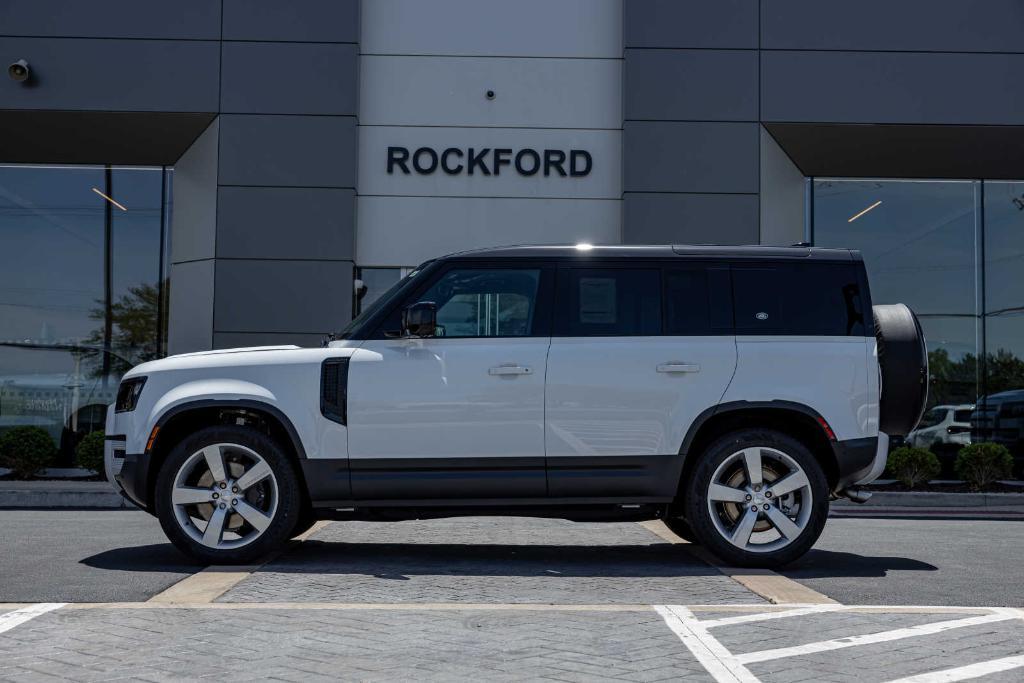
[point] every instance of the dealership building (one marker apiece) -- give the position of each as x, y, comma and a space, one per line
180, 176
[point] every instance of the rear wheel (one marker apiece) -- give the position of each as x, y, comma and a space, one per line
757, 498
227, 495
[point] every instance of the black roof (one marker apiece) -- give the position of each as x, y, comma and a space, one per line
659, 251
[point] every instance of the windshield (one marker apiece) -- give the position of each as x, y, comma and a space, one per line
382, 301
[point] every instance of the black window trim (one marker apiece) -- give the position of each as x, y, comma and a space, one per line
543, 308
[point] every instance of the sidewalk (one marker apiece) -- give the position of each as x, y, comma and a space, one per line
60, 494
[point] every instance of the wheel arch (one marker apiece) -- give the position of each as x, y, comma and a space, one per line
186, 418
789, 417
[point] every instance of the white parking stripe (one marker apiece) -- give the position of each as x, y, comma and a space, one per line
20, 616
711, 654
963, 673
871, 638
763, 616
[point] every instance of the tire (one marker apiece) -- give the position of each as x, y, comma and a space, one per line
720, 515
190, 495
903, 362
681, 528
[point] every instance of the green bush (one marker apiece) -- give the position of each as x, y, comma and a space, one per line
913, 466
26, 450
89, 453
981, 464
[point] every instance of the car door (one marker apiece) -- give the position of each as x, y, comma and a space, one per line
459, 415
637, 353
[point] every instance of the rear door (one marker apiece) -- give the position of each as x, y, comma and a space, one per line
639, 350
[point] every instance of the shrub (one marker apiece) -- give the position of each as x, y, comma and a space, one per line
89, 453
26, 450
913, 466
981, 464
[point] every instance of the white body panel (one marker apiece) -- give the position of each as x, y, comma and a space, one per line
827, 374
285, 377
442, 398
607, 396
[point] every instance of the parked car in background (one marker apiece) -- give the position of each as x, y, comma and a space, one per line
999, 418
944, 430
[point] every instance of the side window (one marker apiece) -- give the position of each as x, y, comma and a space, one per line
798, 299
609, 302
698, 300
481, 302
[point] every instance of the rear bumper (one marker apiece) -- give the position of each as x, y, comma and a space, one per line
860, 461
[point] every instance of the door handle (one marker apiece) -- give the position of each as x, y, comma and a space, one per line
678, 367
510, 370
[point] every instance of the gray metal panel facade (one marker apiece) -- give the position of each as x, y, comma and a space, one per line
256, 103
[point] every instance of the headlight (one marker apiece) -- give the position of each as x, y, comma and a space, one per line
128, 394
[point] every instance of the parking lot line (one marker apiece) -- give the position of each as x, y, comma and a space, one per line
763, 616
963, 673
20, 616
871, 638
773, 587
723, 666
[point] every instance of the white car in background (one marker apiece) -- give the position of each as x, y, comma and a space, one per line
947, 425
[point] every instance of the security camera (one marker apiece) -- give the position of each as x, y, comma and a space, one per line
19, 71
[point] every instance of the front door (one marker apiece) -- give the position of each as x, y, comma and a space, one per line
638, 352
459, 415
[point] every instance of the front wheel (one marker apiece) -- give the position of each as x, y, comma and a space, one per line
227, 495
757, 498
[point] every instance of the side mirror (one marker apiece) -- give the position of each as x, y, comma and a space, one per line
420, 320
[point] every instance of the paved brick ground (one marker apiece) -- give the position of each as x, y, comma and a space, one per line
328, 645
489, 560
899, 658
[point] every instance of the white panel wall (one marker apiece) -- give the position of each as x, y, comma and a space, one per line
450, 91
488, 28
555, 69
395, 228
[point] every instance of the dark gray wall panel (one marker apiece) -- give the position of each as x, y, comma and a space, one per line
289, 78
196, 19
98, 137
849, 87
690, 218
285, 223
699, 85
190, 320
113, 75
194, 218
234, 340
282, 296
327, 21
690, 157
932, 25
683, 23
288, 151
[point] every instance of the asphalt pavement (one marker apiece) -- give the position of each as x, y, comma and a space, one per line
917, 562
85, 556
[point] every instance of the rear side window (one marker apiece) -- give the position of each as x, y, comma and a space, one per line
798, 299
698, 301
609, 302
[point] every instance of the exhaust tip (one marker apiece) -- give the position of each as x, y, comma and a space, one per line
856, 495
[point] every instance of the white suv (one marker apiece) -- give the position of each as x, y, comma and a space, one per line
730, 392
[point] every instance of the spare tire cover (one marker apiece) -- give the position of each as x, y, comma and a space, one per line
903, 363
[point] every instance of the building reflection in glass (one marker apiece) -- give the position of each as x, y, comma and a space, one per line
82, 290
954, 252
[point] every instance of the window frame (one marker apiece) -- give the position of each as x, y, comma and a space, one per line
542, 310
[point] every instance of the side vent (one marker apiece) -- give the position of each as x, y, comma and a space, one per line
334, 390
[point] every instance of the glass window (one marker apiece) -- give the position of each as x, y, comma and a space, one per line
932, 418
1004, 313
687, 301
82, 291
479, 302
798, 299
377, 282
919, 242
616, 302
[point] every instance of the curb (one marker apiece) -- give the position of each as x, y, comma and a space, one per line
61, 494
931, 499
